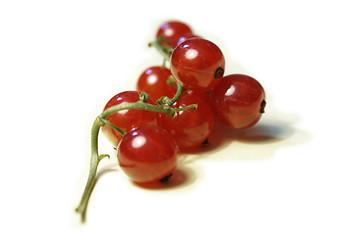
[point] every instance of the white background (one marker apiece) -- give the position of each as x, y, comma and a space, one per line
293, 176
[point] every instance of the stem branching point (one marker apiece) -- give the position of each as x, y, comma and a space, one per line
101, 121
165, 51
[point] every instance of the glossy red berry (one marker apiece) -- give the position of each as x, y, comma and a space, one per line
197, 64
239, 101
171, 31
190, 128
127, 119
153, 81
147, 154
185, 37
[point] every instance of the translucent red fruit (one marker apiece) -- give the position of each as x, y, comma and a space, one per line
127, 119
239, 101
147, 154
171, 31
197, 64
153, 81
185, 37
190, 128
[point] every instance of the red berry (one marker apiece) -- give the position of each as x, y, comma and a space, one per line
239, 101
190, 128
127, 119
153, 81
171, 31
147, 154
197, 64
185, 37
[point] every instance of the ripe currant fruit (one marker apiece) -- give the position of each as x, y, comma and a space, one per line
127, 119
189, 128
239, 101
171, 31
153, 81
185, 37
147, 154
197, 64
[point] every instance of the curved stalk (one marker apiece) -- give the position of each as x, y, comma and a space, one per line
165, 51
178, 94
164, 100
96, 158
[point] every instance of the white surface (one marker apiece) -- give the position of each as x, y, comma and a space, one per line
294, 176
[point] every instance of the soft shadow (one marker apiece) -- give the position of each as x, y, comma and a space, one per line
274, 131
182, 177
263, 133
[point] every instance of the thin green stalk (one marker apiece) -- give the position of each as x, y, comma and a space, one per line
165, 51
170, 101
123, 133
96, 158
178, 94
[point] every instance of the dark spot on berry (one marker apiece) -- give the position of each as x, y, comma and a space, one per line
165, 179
205, 142
219, 73
263, 105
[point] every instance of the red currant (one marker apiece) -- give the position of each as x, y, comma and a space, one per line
147, 154
190, 128
127, 119
171, 31
239, 101
153, 81
197, 64
185, 37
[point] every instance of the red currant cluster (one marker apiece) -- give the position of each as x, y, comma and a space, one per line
174, 109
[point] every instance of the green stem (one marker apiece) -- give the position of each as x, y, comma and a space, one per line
123, 133
192, 106
178, 94
164, 100
95, 158
172, 81
165, 51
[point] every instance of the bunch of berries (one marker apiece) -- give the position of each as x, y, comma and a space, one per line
174, 109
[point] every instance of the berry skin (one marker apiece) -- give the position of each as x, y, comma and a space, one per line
127, 119
171, 31
153, 81
239, 101
147, 154
189, 128
197, 64
185, 37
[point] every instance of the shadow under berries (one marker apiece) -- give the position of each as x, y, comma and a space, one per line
181, 177
257, 142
